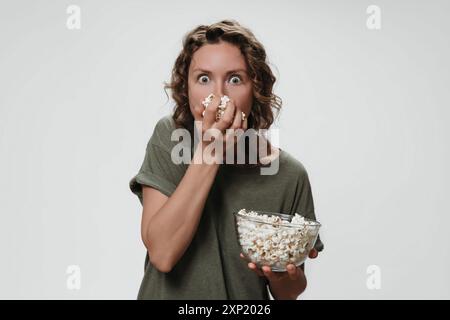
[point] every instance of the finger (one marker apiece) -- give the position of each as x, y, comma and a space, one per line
232, 134
237, 122
206, 102
254, 268
269, 274
227, 118
245, 123
197, 112
292, 271
209, 118
313, 254
242, 256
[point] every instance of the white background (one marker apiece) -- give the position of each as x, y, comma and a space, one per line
365, 111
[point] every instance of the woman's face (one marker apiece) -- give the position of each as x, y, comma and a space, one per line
220, 69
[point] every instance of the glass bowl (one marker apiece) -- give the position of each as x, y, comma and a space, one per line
270, 239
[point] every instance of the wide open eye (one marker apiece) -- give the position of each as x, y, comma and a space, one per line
202, 78
235, 77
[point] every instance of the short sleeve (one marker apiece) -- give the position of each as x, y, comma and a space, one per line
158, 170
304, 202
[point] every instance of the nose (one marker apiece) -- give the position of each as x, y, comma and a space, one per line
219, 90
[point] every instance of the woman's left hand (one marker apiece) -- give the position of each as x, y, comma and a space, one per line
292, 272
292, 282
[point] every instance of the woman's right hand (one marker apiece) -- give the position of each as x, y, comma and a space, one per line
231, 119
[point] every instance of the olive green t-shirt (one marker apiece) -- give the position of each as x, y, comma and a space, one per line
211, 267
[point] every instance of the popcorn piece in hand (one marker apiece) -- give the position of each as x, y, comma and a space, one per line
206, 102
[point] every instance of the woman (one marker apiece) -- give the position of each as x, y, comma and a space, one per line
187, 221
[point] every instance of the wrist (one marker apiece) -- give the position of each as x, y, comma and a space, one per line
281, 293
287, 289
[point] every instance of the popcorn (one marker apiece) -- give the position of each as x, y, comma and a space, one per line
275, 241
221, 108
206, 102
223, 102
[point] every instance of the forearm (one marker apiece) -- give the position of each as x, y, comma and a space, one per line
172, 228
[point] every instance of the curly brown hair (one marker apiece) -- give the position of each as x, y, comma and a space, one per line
264, 100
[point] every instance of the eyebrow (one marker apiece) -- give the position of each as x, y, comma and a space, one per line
231, 71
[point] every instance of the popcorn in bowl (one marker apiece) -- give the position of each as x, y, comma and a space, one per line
275, 239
